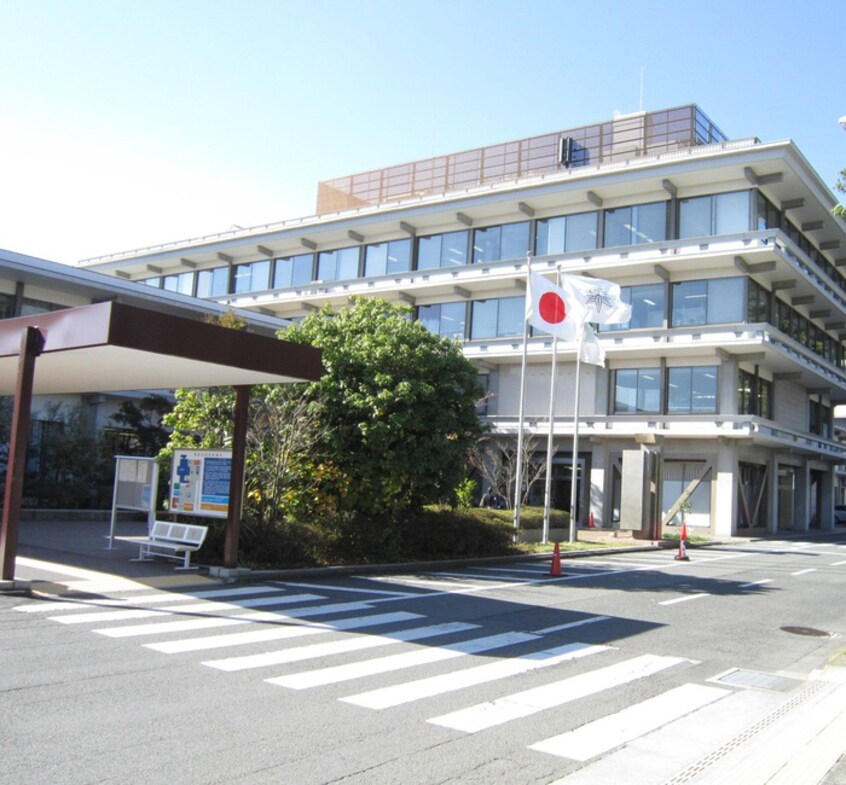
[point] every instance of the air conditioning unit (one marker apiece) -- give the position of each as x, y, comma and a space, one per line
565, 150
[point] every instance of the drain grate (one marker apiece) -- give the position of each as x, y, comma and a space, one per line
738, 677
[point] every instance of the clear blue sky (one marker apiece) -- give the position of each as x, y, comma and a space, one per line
134, 122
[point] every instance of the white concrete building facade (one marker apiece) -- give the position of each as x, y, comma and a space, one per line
731, 366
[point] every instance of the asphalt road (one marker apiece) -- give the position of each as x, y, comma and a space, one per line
629, 667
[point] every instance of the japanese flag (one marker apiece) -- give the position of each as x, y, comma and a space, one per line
550, 308
600, 299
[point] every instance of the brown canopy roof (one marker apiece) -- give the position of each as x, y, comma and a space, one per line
112, 346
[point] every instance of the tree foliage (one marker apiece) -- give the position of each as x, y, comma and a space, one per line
385, 430
840, 185
398, 405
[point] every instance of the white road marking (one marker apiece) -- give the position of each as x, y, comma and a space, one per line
804, 572
219, 641
596, 738
357, 670
399, 694
524, 704
685, 598
199, 607
755, 583
357, 643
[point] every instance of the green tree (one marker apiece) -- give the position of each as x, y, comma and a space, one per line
399, 406
840, 185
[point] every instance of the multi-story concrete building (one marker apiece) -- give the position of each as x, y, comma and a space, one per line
731, 365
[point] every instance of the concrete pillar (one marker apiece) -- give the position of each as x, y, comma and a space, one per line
724, 491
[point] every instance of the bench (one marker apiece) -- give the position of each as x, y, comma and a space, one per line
172, 541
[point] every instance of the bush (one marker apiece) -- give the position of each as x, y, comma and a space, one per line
431, 534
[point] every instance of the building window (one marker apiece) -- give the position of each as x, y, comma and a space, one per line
641, 223
819, 419
154, 282
637, 390
509, 241
758, 303
442, 250
447, 320
7, 306
338, 265
293, 271
30, 307
715, 301
387, 258
703, 216
567, 233
769, 217
692, 390
754, 395
648, 307
183, 283
252, 277
501, 318
213, 283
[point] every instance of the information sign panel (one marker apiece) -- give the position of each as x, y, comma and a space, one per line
199, 482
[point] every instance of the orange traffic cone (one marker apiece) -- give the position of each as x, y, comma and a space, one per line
555, 567
682, 554
591, 524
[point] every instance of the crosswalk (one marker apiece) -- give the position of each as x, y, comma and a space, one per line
334, 636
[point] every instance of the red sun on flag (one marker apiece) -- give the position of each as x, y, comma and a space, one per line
551, 308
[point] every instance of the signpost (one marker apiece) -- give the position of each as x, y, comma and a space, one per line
136, 480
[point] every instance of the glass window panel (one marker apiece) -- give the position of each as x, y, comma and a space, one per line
731, 212
487, 244
647, 305
429, 252
293, 271
454, 249
399, 256
157, 282
511, 316
453, 316
581, 232
7, 305
689, 303
725, 300
650, 225
430, 317
625, 391
515, 240
678, 390
251, 277
376, 259
695, 217
649, 390
550, 236
213, 283
348, 263
703, 390
618, 227
483, 324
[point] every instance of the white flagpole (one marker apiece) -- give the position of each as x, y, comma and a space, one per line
547, 495
575, 467
518, 481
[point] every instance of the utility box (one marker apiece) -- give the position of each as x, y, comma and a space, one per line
640, 502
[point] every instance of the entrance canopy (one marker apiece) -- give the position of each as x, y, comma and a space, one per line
111, 346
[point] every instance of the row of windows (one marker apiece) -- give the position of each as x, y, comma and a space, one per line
28, 306
692, 303
694, 391
673, 391
715, 214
